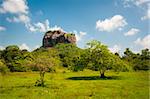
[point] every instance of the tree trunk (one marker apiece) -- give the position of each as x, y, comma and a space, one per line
102, 75
42, 73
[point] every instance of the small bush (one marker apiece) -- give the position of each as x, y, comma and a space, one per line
3, 68
39, 83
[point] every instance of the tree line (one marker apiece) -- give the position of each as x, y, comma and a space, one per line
96, 56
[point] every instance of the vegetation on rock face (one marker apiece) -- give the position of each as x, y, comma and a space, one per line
52, 38
69, 35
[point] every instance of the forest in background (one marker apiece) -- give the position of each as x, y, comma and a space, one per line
95, 57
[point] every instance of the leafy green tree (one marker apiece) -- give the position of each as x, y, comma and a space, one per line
14, 58
145, 54
44, 62
101, 59
142, 62
70, 56
128, 57
11, 54
3, 67
1, 54
137, 61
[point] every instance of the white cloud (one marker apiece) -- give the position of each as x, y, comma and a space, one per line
39, 26
42, 27
79, 35
141, 2
138, 3
24, 46
19, 11
115, 48
147, 16
131, 32
37, 46
56, 28
2, 28
30, 27
82, 33
144, 42
116, 22
14, 6
2, 47
21, 18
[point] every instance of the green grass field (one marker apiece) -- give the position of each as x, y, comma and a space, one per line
76, 85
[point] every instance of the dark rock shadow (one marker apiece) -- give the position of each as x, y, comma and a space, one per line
94, 78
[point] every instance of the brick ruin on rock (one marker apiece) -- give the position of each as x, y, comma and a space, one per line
51, 38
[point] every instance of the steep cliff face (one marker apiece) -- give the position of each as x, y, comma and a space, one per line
51, 38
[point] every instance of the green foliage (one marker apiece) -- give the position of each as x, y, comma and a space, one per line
3, 67
101, 59
69, 35
138, 61
14, 57
96, 57
87, 85
44, 61
70, 56
49, 55
40, 83
11, 55
1, 53
144, 60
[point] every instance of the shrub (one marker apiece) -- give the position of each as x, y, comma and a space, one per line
3, 68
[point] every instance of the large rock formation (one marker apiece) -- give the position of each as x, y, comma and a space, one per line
51, 38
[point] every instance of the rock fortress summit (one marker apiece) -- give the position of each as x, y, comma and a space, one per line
51, 38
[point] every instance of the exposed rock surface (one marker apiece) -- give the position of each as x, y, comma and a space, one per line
51, 38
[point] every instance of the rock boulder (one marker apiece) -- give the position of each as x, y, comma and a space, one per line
51, 38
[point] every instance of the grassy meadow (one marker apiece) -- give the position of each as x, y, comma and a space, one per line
76, 85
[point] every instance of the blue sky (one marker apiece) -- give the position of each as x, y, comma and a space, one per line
116, 23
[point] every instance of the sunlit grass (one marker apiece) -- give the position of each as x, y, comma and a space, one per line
127, 85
